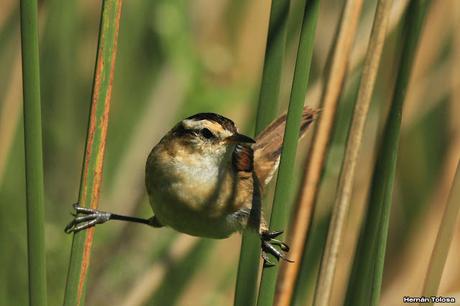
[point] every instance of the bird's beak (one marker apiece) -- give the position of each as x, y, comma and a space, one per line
240, 138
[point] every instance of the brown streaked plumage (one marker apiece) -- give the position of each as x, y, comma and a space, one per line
267, 148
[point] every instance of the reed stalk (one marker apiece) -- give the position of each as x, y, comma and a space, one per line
95, 148
323, 129
345, 185
33, 154
284, 186
248, 267
366, 278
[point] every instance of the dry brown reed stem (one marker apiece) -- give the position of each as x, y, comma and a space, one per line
358, 53
330, 96
360, 48
147, 283
345, 185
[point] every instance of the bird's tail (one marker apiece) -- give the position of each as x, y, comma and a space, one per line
268, 145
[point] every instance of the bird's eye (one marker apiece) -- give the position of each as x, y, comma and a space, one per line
206, 133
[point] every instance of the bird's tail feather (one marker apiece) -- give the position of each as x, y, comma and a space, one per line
268, 145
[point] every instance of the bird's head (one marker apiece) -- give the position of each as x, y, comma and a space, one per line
208, 134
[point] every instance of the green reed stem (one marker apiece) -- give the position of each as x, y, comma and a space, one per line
345, 185
95, 148
284, 185
366, 278
33, 154
248, 267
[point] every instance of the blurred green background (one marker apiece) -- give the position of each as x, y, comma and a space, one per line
176, 58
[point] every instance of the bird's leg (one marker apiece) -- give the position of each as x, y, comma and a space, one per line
268, 243
88, 217
267, 238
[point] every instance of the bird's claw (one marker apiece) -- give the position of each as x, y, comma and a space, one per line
90, 218
269, 242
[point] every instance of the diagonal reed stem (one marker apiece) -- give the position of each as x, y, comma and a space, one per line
345, 184
33, 154
95, 147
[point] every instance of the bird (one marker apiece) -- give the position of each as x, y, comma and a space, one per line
206, 179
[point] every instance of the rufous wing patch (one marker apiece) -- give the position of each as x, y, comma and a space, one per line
243, 158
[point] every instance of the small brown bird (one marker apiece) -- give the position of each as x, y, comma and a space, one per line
205, 179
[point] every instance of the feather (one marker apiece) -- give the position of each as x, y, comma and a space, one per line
267, 149
243, 158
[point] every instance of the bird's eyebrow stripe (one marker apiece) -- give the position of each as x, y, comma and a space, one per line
201, 124
212, 117
192, 124
214, 127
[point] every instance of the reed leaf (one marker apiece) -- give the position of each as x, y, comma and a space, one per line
273, 64
366, 279
284, 186
305, 283
95, 148
248, 267
33, 154
345, 184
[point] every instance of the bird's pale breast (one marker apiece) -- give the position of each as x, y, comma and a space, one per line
196, 195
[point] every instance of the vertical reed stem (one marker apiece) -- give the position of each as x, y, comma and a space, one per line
95, 148
345, 185
284, 186
366, 278
248, 267
33, 153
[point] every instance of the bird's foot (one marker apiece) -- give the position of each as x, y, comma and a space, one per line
269, 242
90, 218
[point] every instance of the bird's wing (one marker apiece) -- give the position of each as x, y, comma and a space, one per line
243, 158
267, 148
243, 164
